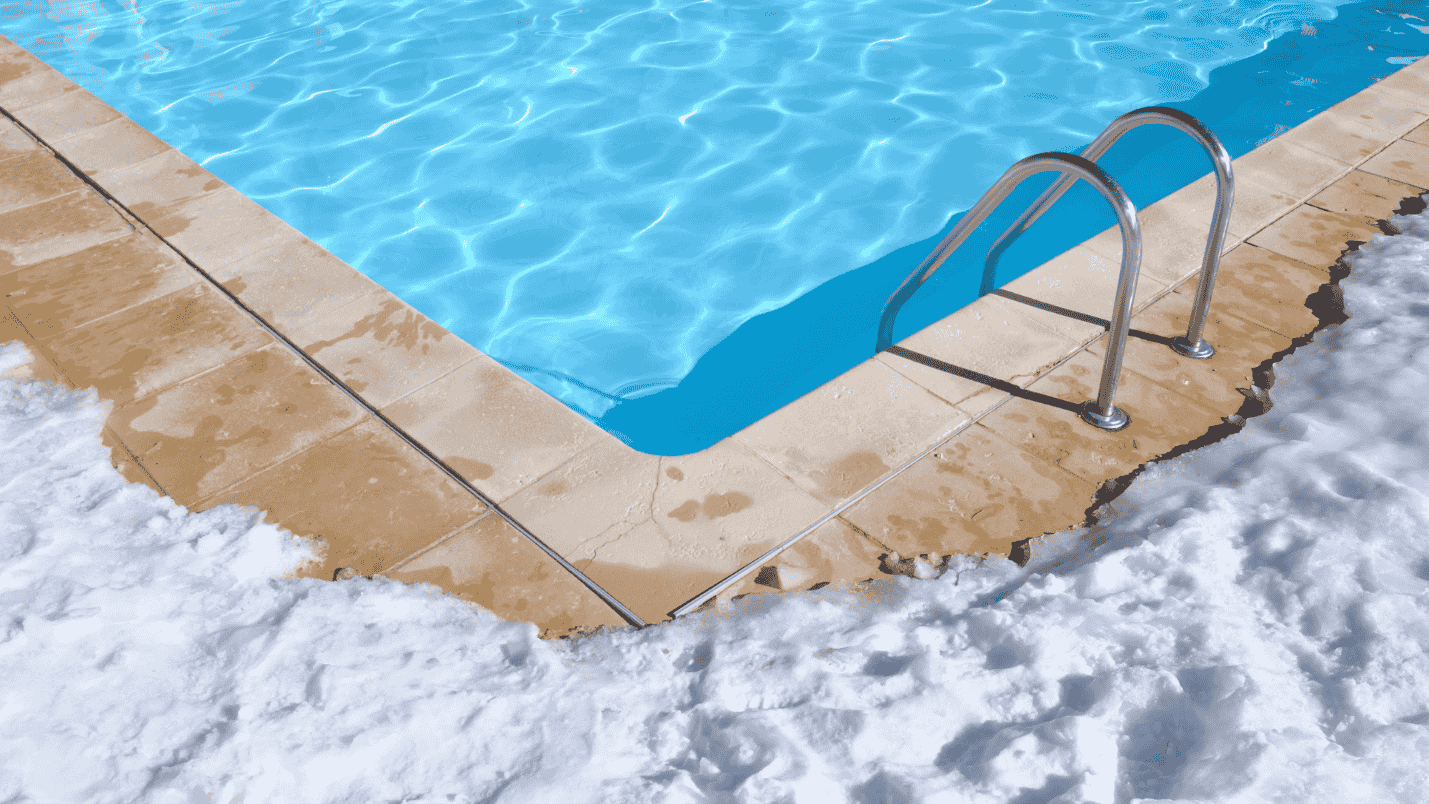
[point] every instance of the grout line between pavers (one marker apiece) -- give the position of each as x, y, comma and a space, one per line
284, 458
138, 463
610, 600
39, 354
439, 541
35, 204
113, 313
13, 316
1361, 168
428, 383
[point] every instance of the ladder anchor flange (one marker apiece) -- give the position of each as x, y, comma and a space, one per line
1113, 421
1200, 350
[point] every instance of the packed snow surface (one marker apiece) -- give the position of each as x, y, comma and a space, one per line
1246, 624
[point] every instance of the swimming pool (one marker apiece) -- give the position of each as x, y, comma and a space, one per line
677, 218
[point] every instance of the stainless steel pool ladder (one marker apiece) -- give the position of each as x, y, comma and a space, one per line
1101, 412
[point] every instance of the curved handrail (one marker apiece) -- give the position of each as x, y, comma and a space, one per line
1192, 344
1103, 412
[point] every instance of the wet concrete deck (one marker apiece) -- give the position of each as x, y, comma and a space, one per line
247, 365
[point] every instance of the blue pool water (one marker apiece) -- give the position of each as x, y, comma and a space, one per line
677, 216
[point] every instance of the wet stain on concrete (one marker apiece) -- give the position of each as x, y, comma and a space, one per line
392, 324
470, 469
849, 474
713, 507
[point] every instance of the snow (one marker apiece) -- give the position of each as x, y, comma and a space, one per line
1247, 623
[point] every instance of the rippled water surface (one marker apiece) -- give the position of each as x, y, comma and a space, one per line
598, 193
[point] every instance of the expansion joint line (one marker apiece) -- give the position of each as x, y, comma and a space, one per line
620, 608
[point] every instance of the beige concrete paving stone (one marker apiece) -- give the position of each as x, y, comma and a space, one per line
496, 430
1080, 281
14, 142
212, 431
1253, 207
57, 227
991, 336
218, 228
651, 592
1410, 85
11, 52
63, 293
1172, 243
1359, 193
1292, 170
707, 503
1402, 161
295, 285
110, 146
65, 115
365, 492
1256, 206
26, 81
603, 491
843, 436
976, 494
120, 458
382, 348
1160, 421
985, 400
1254, 284
489, 563
836, 553
967, 394
1196, 202
1420, 134
1240, 347
153, 187
1355, 128
1382, 112
34, 177
149, 346
1314, 236
709, 514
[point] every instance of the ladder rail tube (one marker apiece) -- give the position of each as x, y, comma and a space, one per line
1193, 343
1104, 413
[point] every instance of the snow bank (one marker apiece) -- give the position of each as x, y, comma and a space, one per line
1249, 623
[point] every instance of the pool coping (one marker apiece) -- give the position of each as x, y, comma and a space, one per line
817, 491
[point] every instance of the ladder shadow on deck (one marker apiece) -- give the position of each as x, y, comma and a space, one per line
1011, 388
1090, 319
978, 377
